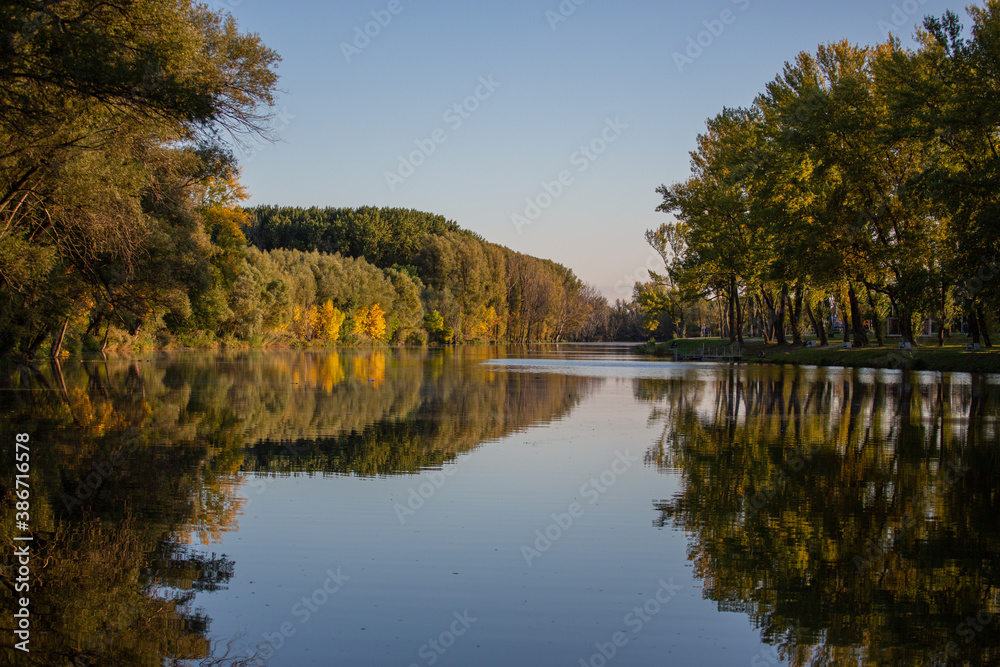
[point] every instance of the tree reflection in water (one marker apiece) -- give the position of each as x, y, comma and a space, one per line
137, 466
851, 514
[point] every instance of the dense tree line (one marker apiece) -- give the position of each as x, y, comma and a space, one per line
469, 289
860, 186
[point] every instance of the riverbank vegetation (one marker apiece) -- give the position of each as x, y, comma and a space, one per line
856, 196
928, 356
121, 225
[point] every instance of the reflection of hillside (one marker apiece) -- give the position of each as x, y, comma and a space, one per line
852, 514
449, 406
162, 444
115, 484
91, 604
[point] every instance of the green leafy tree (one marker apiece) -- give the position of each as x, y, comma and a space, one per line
108, 114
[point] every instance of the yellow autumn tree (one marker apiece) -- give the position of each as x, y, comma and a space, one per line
305, 323
310, 322
359, 321
370, 322
328, 322
484, 323
296, 321
224, 190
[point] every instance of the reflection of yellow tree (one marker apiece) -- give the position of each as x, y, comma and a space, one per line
371, 368
850, 515
331, 371
424, 408
215, 509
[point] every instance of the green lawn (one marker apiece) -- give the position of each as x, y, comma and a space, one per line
928, 356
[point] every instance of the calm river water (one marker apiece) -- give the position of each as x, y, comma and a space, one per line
560, 505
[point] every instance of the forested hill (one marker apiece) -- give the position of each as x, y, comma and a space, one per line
384, 236
470, 289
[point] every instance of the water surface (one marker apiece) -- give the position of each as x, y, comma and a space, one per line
571, 505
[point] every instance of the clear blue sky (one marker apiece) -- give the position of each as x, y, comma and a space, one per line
347, 118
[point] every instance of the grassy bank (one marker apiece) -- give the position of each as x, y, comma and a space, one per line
927, 356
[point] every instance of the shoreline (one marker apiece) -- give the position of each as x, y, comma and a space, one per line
952, 358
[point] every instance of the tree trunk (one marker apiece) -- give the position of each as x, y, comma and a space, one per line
739, 314
795, 314
906, 326
779, 322
876, 320
36, 343
722, 319
845, 319
858, 324
984, 328
817, 326
944, 293
765, 332
57, 342
733, 306
973, 326
95, 323
822, 306
769, 317
104, 343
